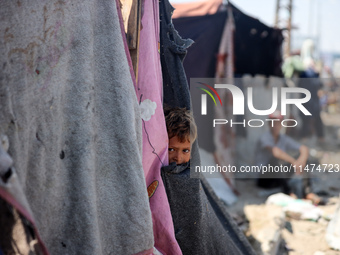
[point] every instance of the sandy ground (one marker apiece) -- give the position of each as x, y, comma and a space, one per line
300, 236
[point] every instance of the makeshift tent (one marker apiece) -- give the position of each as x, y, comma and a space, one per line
69, 109
257, 46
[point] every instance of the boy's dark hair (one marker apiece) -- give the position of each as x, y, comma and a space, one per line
180, 123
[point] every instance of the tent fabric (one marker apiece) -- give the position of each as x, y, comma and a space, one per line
201, 226
201, 62
155, 138
257, 46
173, 51
257, 50
69, 108
197, 228
224, 136
196, 8
226, 49
234, 233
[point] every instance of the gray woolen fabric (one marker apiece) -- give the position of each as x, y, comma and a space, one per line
197, 228
234, 233
69, 108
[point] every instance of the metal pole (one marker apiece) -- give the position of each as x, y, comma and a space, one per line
289, 28
318, 33
276, 22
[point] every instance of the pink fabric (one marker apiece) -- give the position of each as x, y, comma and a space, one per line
155, 138
150, 251
126, 48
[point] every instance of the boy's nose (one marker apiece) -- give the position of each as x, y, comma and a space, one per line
178, 158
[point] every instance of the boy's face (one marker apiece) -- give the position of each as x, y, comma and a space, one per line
179, 152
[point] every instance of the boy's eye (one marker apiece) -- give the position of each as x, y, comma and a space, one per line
186, 151
171, 149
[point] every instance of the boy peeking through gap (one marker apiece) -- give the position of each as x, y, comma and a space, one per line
182, 133
192, 214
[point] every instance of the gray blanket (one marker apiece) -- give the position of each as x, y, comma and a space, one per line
68, 106
201, 224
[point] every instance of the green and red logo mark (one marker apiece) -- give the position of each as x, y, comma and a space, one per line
209, 93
